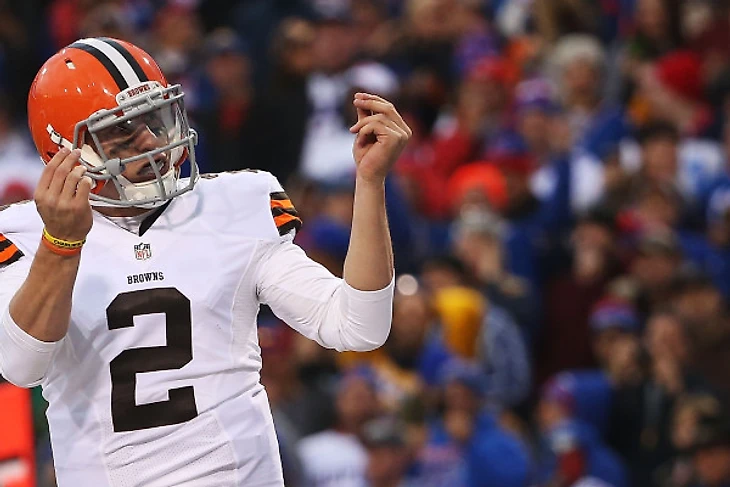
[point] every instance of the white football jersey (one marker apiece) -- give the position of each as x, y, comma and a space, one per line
157, 381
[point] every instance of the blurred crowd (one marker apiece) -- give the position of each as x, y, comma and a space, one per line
561, 222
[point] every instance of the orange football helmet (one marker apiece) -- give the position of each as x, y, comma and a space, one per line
97, 93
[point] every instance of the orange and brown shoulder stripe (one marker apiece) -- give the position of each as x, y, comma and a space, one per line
9, 252
285, 215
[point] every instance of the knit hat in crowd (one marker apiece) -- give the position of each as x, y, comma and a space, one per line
484, 178
681, 73
614, 314
535, 94
461, 313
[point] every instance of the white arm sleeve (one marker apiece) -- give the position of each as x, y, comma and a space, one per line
319, 305
24, 360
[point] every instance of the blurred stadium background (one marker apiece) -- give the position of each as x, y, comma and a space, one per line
561, 222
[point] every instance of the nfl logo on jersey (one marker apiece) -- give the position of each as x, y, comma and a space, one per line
142, 251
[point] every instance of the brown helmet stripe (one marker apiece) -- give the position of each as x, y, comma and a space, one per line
103, 59
128, 56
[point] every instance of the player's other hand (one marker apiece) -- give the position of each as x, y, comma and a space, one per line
381, 137
62, 196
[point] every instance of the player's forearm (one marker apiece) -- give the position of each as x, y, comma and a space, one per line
42, 305
369, 261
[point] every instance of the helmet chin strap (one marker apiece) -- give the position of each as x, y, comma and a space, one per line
104, 204
145, 206
148, 189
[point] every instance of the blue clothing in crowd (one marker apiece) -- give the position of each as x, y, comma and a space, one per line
714, 261
528, 233
506, 360
601, 462
495, 458
492, 457
605, 131
592, 396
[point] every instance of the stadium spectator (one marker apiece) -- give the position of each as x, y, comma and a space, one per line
19, 169
614, 330
580, 67
711, 252
480, 242
657, 29
611, 322
177, 38
395, 368
571, 448
658, 260
565, 338
466, 445
224, 105
562, 17
645, 406
285, 91
337, 457
711, 449
689, 410
389, 455
299, 409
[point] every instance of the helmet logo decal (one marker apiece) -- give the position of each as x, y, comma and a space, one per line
138, 90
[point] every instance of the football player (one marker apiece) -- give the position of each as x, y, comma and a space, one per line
130, 294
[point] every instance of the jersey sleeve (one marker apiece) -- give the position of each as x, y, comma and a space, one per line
319, 305
283, 212
9, 252
24, 360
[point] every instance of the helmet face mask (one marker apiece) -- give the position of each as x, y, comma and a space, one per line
110, 99
111, 135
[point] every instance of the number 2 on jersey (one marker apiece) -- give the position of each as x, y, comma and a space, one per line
180, 407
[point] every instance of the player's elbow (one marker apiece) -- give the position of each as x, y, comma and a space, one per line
356, 321
20, 378
21, 368
24, 360
380, 339
368, 317
373, 338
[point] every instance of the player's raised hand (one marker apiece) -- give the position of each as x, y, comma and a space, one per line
62, 196
381, 136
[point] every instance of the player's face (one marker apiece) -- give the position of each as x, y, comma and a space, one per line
136, 136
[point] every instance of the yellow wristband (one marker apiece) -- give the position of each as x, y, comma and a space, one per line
63, 244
